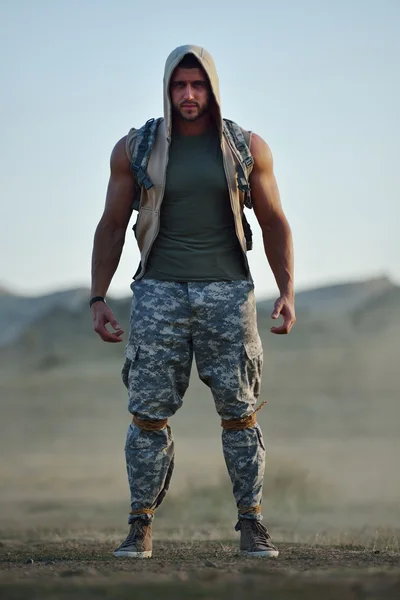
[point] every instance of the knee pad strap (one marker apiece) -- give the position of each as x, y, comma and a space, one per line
143, 511
238, 424
150, 425
250, 510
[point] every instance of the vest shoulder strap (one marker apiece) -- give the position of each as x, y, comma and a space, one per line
239, 140
140, 147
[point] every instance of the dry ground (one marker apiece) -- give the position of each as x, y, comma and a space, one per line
331, 496
85, 569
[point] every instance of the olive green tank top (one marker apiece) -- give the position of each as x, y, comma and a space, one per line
197, 239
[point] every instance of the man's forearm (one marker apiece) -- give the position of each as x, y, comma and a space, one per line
278, 245
107, 248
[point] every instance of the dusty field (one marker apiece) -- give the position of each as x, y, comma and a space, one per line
81, 568
330, 496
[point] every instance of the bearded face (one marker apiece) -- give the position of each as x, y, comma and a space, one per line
190, 93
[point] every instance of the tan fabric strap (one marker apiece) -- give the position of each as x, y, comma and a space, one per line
142, 511
249, 510
238, 424
150, 425
245, 422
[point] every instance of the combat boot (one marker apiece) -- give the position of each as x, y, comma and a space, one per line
138, 543
255, 539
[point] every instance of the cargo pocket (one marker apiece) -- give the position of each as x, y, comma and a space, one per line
131, 352
254, 363
253, 347
260, 437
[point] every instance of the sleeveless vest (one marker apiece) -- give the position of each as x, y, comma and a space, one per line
148, 221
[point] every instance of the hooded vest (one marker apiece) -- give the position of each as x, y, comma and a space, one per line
148, 222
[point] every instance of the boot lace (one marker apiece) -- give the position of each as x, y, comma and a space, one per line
137, 531
259, 532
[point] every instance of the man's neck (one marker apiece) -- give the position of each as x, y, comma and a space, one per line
197, 127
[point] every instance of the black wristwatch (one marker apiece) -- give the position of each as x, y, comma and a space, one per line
96, 299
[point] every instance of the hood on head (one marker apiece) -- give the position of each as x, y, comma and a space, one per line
207, 62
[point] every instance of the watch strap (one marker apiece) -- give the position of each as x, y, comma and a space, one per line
96, 299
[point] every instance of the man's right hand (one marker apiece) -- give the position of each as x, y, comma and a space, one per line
102, 315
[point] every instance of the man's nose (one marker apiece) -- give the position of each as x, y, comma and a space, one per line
189, 92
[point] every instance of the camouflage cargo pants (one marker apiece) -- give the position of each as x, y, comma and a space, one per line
171, 321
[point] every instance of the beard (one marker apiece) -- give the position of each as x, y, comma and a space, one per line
197, 114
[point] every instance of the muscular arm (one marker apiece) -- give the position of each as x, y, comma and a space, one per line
109, 240
110, 233
275, 228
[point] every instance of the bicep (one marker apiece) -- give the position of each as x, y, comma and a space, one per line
121, 188
264, 188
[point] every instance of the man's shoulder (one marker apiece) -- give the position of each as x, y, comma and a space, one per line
261, 153
259, 145
147, 125
119, 160
135, 135
237, 131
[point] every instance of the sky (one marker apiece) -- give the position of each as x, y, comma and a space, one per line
318, 80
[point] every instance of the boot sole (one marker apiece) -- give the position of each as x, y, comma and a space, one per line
263, 553
129, 554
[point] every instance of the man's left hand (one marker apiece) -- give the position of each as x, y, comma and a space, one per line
284, 306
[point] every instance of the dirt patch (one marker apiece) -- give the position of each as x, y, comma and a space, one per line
81, 569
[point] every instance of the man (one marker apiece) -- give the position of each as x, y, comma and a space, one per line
192, 294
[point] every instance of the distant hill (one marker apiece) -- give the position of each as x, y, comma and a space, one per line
338, 298
17, 313
346, 336
4, 291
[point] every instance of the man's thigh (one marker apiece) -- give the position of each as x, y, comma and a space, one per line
227, 345
159, 351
